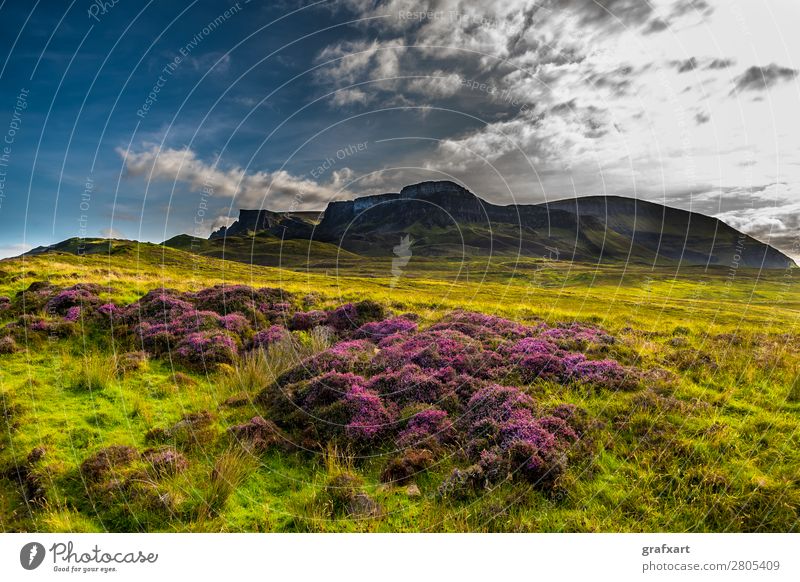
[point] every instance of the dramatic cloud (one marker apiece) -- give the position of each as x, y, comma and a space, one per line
760, 78
717, 64
656, 25
277, 190
778, 226
687, 65
574, 97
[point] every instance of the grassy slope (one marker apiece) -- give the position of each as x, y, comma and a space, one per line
720, 452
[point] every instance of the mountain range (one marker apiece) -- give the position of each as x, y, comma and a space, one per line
444, 219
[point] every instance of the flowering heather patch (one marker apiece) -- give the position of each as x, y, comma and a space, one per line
354, 391
52, 327
379, 330
603, 373
73, 313
241, 299
542, 366
206, 348
235, 323
410, 384
432, 350
346, 356
530, 346
157, 306
343, 318
575, 336
333, 405
328, 389
306, 320
428, 428
107, 460
109, 311
351, 316
368, 416
484, 327
496, 403
75, 296
506, 435
267, 337
165, 462
36, 296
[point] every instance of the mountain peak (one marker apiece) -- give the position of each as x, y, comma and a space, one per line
430, 188
445, 217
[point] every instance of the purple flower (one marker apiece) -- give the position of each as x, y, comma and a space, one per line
73, 313
379, 330
343, 318
368, 417
351, 316
603, 373
483, 327
235, 323
328, 388
432, 350
109, 310
410, 384
202, 349
75, 296
306, 320
267, 337
248, 301
165, 461
429, 427
576, 336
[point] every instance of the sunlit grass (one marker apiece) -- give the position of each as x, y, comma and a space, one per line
717, 449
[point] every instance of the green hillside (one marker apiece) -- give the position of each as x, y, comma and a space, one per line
705, 441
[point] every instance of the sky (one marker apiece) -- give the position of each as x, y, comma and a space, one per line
143, 120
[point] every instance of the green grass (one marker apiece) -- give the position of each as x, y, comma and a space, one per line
717, 449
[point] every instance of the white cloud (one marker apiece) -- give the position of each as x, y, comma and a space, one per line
600, 97
278, 189
14, 250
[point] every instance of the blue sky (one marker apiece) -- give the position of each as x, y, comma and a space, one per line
145, 120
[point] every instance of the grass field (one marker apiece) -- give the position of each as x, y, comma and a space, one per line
707, 442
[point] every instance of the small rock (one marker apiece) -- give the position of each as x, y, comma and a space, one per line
362, 506
413, 491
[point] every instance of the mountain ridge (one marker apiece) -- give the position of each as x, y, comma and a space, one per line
445, 215
444, 219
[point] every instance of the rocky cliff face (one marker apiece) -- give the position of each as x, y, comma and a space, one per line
435, 204
281, 224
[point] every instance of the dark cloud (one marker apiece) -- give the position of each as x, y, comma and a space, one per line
617, 81
656, 25
689, 64
691, 6
611, 12
721, 64
761, 78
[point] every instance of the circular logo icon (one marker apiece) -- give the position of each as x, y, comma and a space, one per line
31, 555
